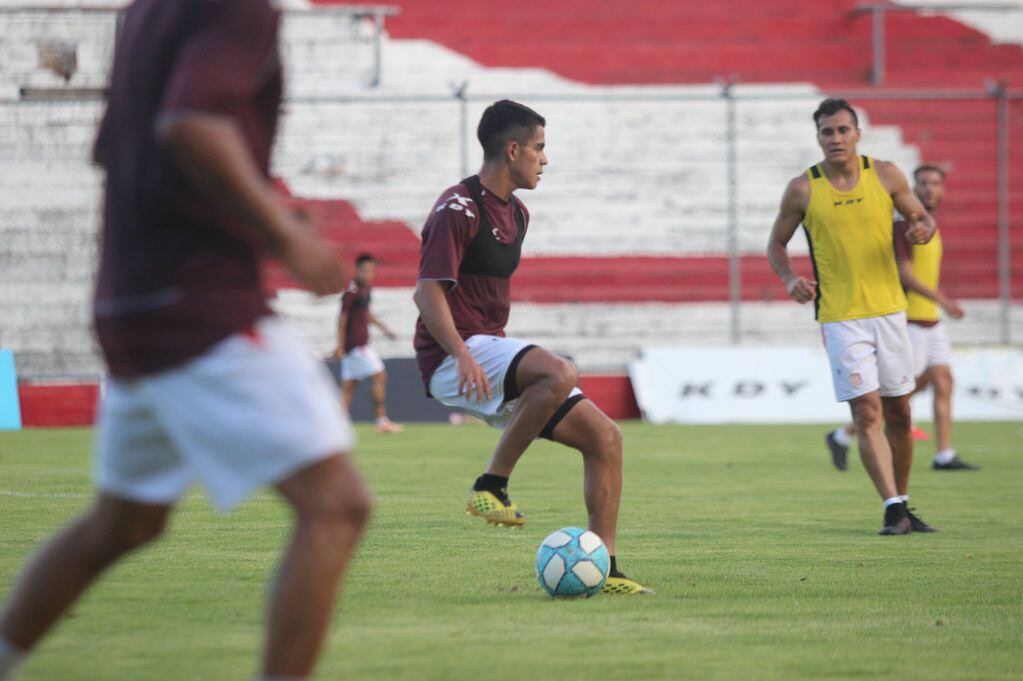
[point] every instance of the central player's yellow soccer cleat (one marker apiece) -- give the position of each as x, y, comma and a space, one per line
623, 586
496, 512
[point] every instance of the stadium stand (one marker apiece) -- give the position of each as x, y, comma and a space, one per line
635, 127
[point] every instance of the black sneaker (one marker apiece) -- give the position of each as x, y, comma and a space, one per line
896, 520
956, 464
916, 523
839, 452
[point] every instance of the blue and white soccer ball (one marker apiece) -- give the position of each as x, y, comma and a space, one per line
572, 562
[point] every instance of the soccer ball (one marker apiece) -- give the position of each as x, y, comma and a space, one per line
572, 562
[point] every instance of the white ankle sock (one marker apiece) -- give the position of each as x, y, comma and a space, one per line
945, 456
892, 500
841, 437
11, 658
905, 498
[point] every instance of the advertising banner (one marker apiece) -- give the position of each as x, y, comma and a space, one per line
793, 385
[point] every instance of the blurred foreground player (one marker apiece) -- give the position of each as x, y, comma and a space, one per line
471, 246
205, 382
845, 205
359, 359
920, 273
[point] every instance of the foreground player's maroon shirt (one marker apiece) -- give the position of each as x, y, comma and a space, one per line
479, 304
176, 274
355, 303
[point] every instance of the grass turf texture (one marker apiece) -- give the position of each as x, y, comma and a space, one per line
764, 559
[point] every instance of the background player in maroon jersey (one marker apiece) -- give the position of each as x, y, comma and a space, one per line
206, 383
471, 245
359, 359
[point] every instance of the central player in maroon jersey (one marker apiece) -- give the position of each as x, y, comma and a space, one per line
205, 382
471, 246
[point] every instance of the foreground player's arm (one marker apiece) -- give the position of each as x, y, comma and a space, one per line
211, 151
921, 225
380, 325
220, 67
431, 299
791, 213
911, 283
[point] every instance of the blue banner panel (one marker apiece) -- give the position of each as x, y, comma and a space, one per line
10, 411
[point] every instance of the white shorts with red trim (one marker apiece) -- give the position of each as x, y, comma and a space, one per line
254, 409
870, 354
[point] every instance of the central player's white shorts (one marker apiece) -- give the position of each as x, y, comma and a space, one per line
870, 354
930, 346
498, 357
361, 363
255, 408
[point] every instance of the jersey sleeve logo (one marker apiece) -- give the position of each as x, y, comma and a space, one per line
458, 203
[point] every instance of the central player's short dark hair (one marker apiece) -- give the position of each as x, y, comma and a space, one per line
830, 107
505, 120
364, 257
928, 168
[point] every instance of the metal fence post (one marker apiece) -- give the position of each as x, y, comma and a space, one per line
734, 263
1004, 259
459, 92
877, 74
378, 49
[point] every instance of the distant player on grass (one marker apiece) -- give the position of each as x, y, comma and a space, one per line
920, 272
471, 246
206, 383
359, 359
845, 205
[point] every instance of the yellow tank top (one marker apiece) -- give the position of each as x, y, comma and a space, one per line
926, 268
851, 246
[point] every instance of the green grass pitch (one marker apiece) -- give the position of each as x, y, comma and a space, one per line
764, 559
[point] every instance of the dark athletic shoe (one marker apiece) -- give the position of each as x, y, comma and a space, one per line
956, 464
916, 523
896, 520
839, 452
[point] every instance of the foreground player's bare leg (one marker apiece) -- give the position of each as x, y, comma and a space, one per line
599, 439
897, 427
331, 508
875, 451
544, 381
65, 566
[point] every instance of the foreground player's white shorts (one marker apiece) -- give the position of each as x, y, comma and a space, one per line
257, 407
361, 363
870, 354
498, 357
930, 346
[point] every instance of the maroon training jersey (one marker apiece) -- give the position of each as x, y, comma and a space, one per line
355, 303
176, 274
479, 303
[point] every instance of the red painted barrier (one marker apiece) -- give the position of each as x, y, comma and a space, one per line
57, 404
74, 404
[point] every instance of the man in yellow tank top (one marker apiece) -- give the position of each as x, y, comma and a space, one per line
920, 272
845, 205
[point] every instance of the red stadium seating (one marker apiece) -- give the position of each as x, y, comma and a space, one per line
825, 43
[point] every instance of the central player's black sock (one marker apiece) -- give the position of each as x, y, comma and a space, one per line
495, 484
613, 572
